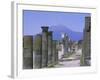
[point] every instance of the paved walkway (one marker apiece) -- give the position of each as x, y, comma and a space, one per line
72, 61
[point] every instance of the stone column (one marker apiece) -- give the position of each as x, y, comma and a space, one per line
56, 55
86, 51
27, 52
49, 48
65, 43
44, 46
54, 52
69, 44
37, 51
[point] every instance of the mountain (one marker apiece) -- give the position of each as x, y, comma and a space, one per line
57, 30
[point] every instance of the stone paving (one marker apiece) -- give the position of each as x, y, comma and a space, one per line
72, 61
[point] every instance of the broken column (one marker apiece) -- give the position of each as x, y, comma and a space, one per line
49, 48
44, 46
37, 51
28, 52
54, 54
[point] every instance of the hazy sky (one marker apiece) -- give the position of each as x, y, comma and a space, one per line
33, 20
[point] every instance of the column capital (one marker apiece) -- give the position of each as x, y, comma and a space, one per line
45, 28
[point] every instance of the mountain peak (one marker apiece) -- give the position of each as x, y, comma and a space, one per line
59, 29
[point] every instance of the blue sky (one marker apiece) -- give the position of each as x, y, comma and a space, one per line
33, 20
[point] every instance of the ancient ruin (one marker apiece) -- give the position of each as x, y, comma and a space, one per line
42, 51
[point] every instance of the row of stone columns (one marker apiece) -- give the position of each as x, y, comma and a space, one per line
42, 49
49, 54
